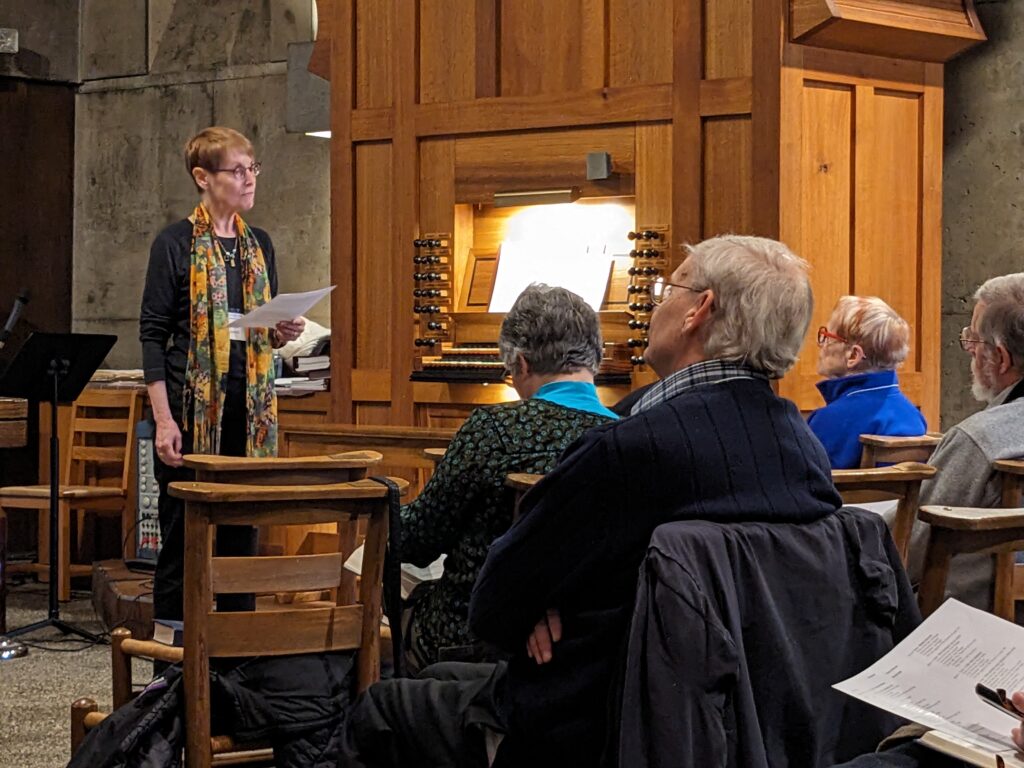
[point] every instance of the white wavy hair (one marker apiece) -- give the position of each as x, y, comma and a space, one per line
763, 300
876, 327
1002, 320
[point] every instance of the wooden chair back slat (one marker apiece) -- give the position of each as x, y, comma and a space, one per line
106, 397
279, 633
884, 449
100, 455
296, 573
102, 426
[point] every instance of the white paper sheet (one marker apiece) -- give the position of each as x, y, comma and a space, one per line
579, 269
284, 306
412, 575
929, 678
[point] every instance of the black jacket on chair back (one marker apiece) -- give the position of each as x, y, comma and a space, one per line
739, 632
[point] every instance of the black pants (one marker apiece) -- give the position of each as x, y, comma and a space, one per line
232, 540
437, 719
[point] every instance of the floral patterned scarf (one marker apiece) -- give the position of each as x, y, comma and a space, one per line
209, 348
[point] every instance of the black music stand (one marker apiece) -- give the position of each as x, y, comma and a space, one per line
55, 367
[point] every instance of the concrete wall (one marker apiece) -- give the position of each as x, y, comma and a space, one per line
48, 32
983, 184
153, 75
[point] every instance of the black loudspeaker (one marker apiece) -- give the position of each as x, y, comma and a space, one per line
599, 166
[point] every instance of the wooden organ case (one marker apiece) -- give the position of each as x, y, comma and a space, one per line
817, 122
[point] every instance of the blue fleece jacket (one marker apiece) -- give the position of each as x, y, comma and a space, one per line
862, 404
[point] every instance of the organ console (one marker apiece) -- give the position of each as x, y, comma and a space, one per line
450, 346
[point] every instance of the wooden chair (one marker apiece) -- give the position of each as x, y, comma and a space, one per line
882, 449
351, 622
96, 477
900, 481
965, 530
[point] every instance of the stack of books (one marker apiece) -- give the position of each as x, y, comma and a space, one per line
313, 366
298, 385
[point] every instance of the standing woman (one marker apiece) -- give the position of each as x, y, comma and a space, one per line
211, 387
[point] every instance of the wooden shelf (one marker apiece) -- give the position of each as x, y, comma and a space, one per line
922, 30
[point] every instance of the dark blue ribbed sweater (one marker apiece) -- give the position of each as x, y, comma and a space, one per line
729, 451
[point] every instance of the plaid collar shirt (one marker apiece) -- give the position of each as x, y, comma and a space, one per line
704, 372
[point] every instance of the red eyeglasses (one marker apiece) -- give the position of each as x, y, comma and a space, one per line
825, 336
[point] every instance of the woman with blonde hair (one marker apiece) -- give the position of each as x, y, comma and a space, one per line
863, 344
211, 387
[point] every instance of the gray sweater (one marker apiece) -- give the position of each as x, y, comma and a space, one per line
965, 479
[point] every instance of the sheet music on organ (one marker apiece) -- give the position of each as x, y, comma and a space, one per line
930, 679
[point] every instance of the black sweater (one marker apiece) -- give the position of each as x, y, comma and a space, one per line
164, 325
730, 451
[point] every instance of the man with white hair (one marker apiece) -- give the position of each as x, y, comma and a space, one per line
710, 441
995, 341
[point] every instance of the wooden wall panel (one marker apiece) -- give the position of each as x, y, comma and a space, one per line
888, 209
374, 22
552, 47
447, 42
542, 160
654, 175
728, 175
374, 282
368, 414
817, 220
728, 36
860, 180
639, 42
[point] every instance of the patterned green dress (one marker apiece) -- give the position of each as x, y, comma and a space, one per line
466, 506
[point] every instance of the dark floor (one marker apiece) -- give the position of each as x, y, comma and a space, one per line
36, 691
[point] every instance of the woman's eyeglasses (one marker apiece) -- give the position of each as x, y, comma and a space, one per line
825, 336
661, 289
239, 170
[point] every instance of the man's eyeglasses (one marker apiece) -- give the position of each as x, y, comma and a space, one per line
239, 170
825, 336
661, 289
968, 339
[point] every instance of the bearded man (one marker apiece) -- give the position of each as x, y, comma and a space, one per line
995, 342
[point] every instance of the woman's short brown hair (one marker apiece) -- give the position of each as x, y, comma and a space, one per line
208, 147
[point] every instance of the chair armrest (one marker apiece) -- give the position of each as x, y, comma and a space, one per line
906, 471
972, 518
